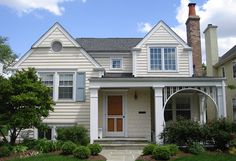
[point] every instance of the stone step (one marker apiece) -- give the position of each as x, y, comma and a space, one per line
123, 146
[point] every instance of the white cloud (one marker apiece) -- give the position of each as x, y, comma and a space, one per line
220, 13
84, 1
27, 6
144, 27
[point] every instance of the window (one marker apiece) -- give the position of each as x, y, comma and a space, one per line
223, 71
183, 108
45, 134
162, 59
116, 63
65, 86
56, 46
47, 79
234, 108
234, 69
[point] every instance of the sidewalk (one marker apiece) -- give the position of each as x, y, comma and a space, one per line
121, 155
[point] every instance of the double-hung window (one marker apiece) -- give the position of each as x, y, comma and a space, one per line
162, 59
47, 79
234, 69
116, 63
65, 86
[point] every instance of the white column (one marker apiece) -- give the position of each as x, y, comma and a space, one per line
93, 114
54, 133
35, 133
202, 100
221, 101
159, 113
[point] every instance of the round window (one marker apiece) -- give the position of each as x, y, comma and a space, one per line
56, 46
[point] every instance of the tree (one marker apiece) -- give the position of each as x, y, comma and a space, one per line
6, 54
24, 101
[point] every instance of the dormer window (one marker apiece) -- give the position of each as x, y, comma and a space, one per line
56, 46
116, 63
162, 59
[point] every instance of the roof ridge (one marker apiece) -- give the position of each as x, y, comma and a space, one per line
109, 38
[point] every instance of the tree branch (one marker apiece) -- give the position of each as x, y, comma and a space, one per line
4, 137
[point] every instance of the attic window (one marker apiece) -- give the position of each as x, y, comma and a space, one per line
56, 46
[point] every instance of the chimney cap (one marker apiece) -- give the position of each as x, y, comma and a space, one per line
192, 4
192, 11
208, 27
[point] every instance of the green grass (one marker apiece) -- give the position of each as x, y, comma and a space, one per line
209, 157
48, 157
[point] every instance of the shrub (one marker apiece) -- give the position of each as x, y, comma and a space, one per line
45, 146
196, 148
148, 149
161, 153
58, 144
30, 143
76, 134
232, 150
82, 152
173, 149
95, 149
19, 149
68, 148
182, 132
4, 151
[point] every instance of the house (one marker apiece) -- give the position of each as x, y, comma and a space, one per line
224, 66
125, 87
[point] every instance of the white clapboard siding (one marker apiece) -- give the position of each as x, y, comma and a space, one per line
105, 62
56, 35
162, 37
68, 58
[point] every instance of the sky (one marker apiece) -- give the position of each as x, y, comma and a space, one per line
24, 21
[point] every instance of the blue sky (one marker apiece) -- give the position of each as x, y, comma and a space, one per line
24, 21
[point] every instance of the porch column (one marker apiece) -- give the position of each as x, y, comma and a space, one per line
159, 113
221, 101
202, 101
93, 114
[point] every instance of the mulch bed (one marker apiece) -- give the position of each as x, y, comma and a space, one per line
98, 157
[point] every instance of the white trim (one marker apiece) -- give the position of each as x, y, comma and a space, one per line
134, 58
93, 114
162, 59
22, 59
117, 58
190, 60
168, 29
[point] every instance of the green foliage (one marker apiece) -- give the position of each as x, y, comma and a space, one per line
95, 149
68, 148
6, 54
30, 143
24, 102
82, 152
19, 149
232, 150
182, 132
45, 146
76, 134
173, 149
161, 153
58, 145
196, 148
148, 149
4, 151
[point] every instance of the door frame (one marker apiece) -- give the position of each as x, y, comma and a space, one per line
105, 107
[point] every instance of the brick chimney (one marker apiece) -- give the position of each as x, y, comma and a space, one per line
194, 39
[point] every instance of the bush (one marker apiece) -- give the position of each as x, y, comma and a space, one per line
82, 152
19, 149
95, 149
76, 134
68, 148
182, 132
173, 149
4, 151
232, 150
196, 148
161, 153
45, 146
58, 145
30, 143
148, 149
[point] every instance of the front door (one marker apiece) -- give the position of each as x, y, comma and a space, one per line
115, 115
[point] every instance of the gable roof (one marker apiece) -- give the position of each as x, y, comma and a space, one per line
168, 29
227, 56
108, 44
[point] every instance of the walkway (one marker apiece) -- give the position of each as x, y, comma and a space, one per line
121, 155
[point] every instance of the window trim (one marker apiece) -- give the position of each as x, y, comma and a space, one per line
53, 79
73, 86
162, 61
233, 63
51, 48
111, 62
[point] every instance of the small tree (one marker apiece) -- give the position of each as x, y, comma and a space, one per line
24, 101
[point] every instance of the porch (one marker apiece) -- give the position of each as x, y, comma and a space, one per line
140, 107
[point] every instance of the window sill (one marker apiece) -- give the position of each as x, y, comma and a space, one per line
162, 71
65, 100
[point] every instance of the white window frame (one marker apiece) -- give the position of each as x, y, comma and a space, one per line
53, 77
73, 85
233, 63
116, 58
162, 57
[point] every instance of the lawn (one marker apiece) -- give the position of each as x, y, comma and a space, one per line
48, 157
209, 157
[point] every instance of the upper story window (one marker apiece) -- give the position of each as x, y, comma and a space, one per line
234, 69
223, 71
116, 63
56, 46
162, 59
65, 86
47, 79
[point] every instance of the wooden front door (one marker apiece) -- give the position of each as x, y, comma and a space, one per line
115, 115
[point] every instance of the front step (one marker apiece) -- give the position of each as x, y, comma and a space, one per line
122, 143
